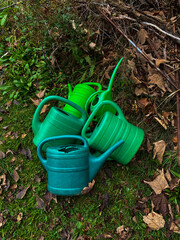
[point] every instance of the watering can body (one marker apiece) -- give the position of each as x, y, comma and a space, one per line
57, 122
79, 95
110, 129
70, 167
102, 95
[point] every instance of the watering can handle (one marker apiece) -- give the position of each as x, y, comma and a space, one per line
39, 148
91, 98
94, 84
114, 105
36, 122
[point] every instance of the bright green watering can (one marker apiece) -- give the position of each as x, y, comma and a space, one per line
57, 122
109, 130
80, 95
102, 95
71, 167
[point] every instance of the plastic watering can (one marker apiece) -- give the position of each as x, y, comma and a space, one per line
71, 167
57, 122
109, 130
102, 95
79, 95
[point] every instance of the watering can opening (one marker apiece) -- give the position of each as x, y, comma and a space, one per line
67, 149
62, 111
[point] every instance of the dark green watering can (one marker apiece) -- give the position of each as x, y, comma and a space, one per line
110, 129
80, 95
57, 122
102, 95
71, 167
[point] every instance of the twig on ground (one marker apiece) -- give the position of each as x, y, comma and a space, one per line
177, 95
12, 5
4, 54
140, 51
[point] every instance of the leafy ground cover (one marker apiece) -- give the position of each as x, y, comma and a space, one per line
44, 46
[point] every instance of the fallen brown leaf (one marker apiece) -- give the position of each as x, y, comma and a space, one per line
15, 176
2, 155
159, 183
160, 203
19, 217
23, 135
149, 147
163, 124
154, 220
89, 188
122, 232
22, 193
157, 79
41, 93
160, 61
40, 203
142, 35
175, 226
159, 150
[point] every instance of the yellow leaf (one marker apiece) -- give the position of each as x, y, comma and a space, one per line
159, 61
19, 217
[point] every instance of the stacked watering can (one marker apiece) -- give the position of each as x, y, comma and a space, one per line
66, 137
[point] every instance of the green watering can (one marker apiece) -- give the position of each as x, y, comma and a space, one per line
71, 167
79, 95
57, 122
102, 95
109, 130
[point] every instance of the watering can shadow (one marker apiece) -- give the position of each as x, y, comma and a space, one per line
71, 167
79, 95
57, 122
110, 129
102, 95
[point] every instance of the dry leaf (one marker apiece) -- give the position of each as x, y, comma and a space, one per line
122, 232
92, 45
23, 135
36, 102
142, 35
15, 176
106, 74
163, 124
168, 176
19, 217
2, 155
22, 193
159, 150
149, 147
154, 220
131, 64
89, 188
159, 61
40, 203
135, 79
159, 183
41, 93
160, 203
175, 226
143, 102
157, 79
44, 109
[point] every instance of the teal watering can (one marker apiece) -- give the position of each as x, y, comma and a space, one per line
57, 122
102, 95
110, 129
80, 95
71, 167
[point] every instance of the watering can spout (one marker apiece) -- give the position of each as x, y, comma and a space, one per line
95, 163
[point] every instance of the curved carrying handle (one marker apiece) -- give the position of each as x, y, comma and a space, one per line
36, 122
39, 148
94, 84
114, 105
